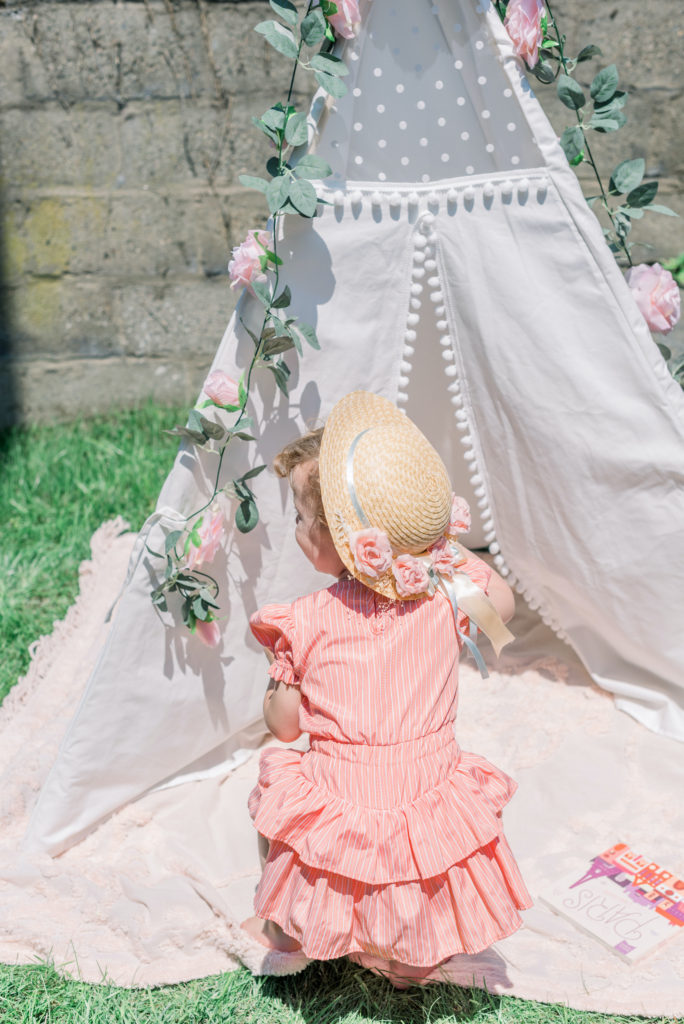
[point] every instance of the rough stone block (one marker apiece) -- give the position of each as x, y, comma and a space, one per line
63, 318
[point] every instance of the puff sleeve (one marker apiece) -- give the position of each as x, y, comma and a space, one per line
480, 573
273, 626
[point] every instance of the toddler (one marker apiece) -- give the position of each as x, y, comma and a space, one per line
384, 840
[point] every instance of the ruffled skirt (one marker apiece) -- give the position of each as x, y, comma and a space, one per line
395, 851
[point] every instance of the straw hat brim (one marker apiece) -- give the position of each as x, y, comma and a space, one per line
400, 483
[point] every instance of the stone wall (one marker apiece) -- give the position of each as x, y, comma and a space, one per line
123, 128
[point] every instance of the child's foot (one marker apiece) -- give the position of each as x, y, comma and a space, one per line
270, 935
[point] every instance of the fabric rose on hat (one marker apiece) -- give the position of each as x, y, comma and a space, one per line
523, 23
445, 557
347, 20
210, 534
371, 551
656, 294
410, 575
221, 388
245, 266
459, 520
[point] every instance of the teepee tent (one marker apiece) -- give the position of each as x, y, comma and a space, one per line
459, 272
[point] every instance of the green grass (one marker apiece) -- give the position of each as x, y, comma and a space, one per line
57, 484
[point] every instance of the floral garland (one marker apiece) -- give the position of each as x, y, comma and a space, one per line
255, 265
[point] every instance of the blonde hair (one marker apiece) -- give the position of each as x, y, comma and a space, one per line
306, 448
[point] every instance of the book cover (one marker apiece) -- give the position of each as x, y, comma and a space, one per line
627, 901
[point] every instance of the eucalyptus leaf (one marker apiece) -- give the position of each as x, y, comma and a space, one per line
616, 102
306, 332
278, 191
329, 63
274, 346
313, 167
191, 435
626, 176
665, 352
283, 300
274, 117
273, 166
643, 194
159, 600
303, 196
195, 421
572, 141
296, 130
213, 430
603, 125
250, 181
286, 10
263, 294
633, 212
171, 540
280, 37
543, 72
604, 84
657, 208
313, 27
200, 609
253, 472
281, 372
268, 132
246, 515
570, 92
587, 52
335, 87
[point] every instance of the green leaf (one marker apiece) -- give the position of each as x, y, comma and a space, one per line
274, 118
333, 86
171, 540
305, 332
268, 132
281, 371
632, 212
283, 300
543, 72
303, 197
313, 167
626, 176
159, 600
195, 422
246, 515
572, 141
604, 84
213, 430
273, 258
642, 195
263, 294
657, 208
607, 124
616, 102
587, 52
242, 393
274, 346
253, 472
329, 8
665, 352
313, 27
278, 191
296, 131
249, 181
273, 166
190, 435
280, 37
570, 92
200, 609
286, 10
330, 64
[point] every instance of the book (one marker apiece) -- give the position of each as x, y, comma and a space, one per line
625, 900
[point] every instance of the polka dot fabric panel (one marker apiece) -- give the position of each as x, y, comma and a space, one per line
428, 99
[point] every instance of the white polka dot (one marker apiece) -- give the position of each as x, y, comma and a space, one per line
404, 160
441, 121
421, 104
382, 176
465, 136
403, 125
479, 45
356, 92
461, 101
380, 108
439, 84
482, 80
423, 142
354, 56
511, 126
335, 144
470, 169
358, 159
458, 64
485, 114
399, 88
508, 93
377, 72
425, 177
382, 143
358, 126
489, 147
515, 159
445, 158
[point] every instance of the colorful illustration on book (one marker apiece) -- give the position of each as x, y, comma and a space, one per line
625, 900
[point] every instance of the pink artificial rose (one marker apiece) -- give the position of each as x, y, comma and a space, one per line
210, 533
459, 521
656, 294
411, 575
523, 22
347, 21
371, 551
208, 632
245, 266
445, 557
221, 388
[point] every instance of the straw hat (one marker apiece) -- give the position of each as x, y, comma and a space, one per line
378, 470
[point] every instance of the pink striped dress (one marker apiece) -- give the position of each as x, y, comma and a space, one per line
385, 837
